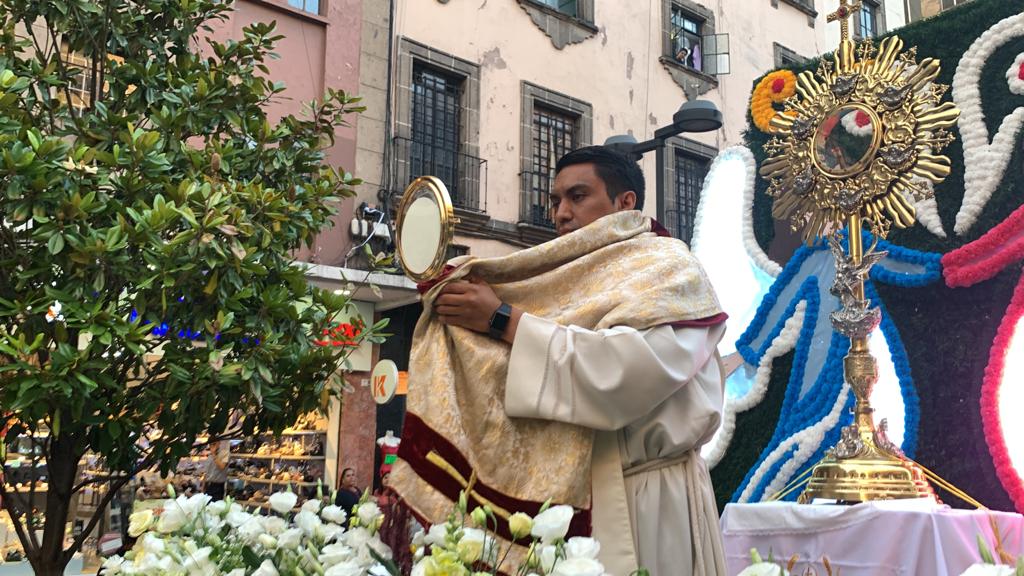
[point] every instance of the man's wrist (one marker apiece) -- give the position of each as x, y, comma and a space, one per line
499, 321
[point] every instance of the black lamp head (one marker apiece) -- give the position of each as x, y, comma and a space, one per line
697, 116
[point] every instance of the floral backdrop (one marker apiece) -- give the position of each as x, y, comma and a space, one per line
951, 291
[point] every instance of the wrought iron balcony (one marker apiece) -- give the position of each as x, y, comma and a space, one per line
465, 176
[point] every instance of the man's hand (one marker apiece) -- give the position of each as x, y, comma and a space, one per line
467, 304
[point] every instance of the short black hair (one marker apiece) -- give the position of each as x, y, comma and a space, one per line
619, 172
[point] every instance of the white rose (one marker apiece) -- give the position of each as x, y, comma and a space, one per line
548, 556
267, 541
419, 569
988, 570
471, 547
330, 532
283, 502
347, 568
436, 535
140, 522
218, 508
367, 513
763, 569
552, 524
334, 514
198, 563
172, 518
236, 572
418, 538
308, 521
335, 554
290, 539
380, 548
151, 544
266, 569
312, 505
250, 531
112, 566
356, 538
238, 517
274, 525
579, 547
578, 567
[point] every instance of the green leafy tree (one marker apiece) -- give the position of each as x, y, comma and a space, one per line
144, 192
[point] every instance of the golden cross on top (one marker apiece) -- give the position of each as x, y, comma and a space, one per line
842, 13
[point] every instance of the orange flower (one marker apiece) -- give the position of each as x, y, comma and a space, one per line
774, 88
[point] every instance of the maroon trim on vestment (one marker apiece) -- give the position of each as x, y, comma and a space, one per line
660, 230
701, 322
423, 287
418, 440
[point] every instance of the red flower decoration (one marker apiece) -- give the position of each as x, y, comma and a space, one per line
1000, 247
778, 84
1020, 71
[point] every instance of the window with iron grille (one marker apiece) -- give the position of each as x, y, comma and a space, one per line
436, 127
563, 6
681, 202
311, 6
553, 134
867, 21
685, 36
80, 79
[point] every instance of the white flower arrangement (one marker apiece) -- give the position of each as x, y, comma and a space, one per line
782, 344
1015, 75
196, 537
985, 161
807, 442
458, 549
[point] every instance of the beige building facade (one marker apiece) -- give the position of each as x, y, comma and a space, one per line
488, 94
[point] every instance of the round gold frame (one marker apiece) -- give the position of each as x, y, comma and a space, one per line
431, 187
912, 127
869, 155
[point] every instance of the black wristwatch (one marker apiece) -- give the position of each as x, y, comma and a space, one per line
499, 321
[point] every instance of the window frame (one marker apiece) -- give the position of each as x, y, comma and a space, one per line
319, 6
471, 179
676, 31
675, 147
536, 97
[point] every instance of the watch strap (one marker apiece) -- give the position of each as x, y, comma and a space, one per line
499, 321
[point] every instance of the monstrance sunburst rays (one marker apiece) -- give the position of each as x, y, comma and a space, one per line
896, 128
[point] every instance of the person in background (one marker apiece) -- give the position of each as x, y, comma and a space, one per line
217, 469
349, 494
385, 496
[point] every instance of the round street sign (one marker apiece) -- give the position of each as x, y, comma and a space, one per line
384, 381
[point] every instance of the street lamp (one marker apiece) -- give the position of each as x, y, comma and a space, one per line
693, 116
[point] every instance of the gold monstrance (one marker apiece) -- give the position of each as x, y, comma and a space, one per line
861, 138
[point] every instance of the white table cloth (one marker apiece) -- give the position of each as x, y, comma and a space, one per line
903, 537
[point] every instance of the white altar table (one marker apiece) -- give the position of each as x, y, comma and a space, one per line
903, 537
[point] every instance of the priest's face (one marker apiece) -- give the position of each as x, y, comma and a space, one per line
579, 196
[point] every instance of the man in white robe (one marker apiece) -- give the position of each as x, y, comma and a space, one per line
655, 393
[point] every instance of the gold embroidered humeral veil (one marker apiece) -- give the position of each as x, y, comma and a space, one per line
614, 272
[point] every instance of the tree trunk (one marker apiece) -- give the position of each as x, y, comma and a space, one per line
62, 467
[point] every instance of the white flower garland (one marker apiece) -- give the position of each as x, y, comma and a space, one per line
771, 267
1013, 75
928, 209
808, 441
760, 259
984, 161
782, 344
